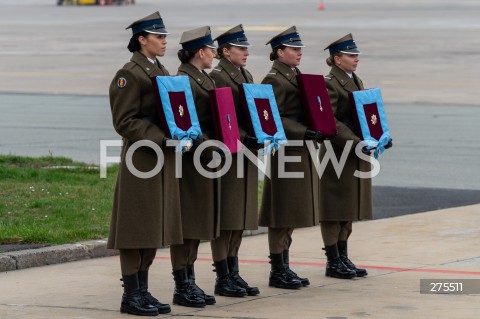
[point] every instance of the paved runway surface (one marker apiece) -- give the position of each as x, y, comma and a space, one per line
428, 168
423, 51
422, 54
428, 150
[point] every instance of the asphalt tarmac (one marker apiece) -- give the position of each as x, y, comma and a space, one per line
428, 168
55, 71
422, 52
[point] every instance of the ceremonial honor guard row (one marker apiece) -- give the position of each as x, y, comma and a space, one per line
194, 107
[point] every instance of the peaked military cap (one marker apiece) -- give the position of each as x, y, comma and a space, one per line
235, 36
152, 23
289, 38
197, 38
345, 45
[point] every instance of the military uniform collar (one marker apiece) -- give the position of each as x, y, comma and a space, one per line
347, 82
234, 72
200, 77
286, 71
143, 62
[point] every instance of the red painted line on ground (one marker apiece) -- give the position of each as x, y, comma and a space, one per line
316, 264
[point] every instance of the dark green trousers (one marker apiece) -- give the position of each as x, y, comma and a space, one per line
134, 260
334, 231
227, 245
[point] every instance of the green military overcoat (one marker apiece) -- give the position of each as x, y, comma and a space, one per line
347, 198
239, 196
146, 212
200, 196
290, 202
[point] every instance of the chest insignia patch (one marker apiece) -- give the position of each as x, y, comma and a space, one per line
121, 82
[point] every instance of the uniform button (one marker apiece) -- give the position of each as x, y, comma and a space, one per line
148, 69
233, 73
288, 74
198, 80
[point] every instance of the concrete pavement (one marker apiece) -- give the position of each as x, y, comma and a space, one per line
397, 252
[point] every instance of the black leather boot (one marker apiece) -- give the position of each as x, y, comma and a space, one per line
147, 296
209, 299
233, 270
183, 293
335, 267
343, 252
279, 277
132, 301
224, 285
286, 263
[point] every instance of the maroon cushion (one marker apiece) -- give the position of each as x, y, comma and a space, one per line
316, 104
266, 116
223, 109
373, 120
180, 110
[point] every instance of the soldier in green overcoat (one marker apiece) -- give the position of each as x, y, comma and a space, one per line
346, 198
200, 195
239, 196
146, 209
289, 203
